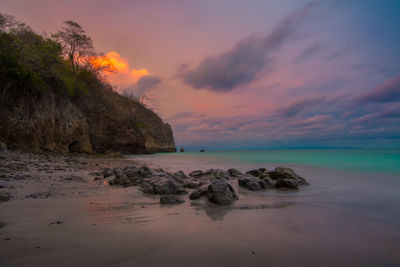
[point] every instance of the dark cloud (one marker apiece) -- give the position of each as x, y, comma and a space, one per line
389, 91
224, 72
390, 112
144, 84
298, 106
309, 52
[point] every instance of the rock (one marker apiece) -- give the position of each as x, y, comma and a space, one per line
118, 172
108, 172
142, 172
3, 146
217, 173
147, 188
251, 183
286, 184
180, 174
182, 149
162, 187
221, 193
197, 193
202, 150
254, 173
171, 199
234, 172
4, 196
286, 173
39, 195
267, 183
74, 178
180, 177
196, 174
191, 184
56, 222
264, 175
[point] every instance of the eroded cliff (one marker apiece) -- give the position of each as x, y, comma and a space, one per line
98, 121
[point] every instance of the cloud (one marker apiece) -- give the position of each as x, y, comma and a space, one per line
144, 84
239, 66
389, 112
309, 52
389, 91
297, 106
124, 75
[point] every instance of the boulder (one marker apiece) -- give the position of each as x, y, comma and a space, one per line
168, 187
4, 196
254, 173
199, 192
286, 184
221, 193
251, 183
162, 187
171, 199
267, 183
196, 174
118, 172
191, 184
233, 172
180, 174
217, 173
286, 173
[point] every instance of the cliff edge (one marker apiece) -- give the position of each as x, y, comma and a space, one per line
100, 121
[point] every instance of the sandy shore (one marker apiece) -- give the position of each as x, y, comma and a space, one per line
63, 213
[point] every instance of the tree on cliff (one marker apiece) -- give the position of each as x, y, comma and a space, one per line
76, 45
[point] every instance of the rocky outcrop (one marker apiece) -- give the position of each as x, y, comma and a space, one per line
117, 123
44, 121
99, 121
280, 177
213, 184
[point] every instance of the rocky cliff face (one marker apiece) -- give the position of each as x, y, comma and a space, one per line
99, 121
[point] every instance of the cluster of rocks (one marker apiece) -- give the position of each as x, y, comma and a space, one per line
214, 184
280, 178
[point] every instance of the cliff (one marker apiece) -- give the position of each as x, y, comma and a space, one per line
54, 99
98, 121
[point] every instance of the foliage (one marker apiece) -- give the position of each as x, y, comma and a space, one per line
30, 63
76, 45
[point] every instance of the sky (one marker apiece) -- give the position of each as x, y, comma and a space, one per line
252, 74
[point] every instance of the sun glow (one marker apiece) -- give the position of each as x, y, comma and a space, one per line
117, 69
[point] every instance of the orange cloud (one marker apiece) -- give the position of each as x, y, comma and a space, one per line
121, 74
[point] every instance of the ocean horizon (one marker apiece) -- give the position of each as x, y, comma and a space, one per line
377, 160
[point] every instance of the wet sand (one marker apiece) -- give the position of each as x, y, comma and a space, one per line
93, 224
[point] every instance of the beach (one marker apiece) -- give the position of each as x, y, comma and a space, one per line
344, 217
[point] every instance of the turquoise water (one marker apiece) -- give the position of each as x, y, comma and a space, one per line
369, 160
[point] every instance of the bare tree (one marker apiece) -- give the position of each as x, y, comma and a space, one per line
76, 45
9, 24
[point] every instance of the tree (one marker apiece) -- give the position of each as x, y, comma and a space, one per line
8, 24
76, 45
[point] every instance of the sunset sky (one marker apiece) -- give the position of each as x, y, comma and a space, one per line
249, 74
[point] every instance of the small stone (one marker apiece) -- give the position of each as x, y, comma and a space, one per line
171, 199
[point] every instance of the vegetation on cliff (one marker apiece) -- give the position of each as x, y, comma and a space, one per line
53, 97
